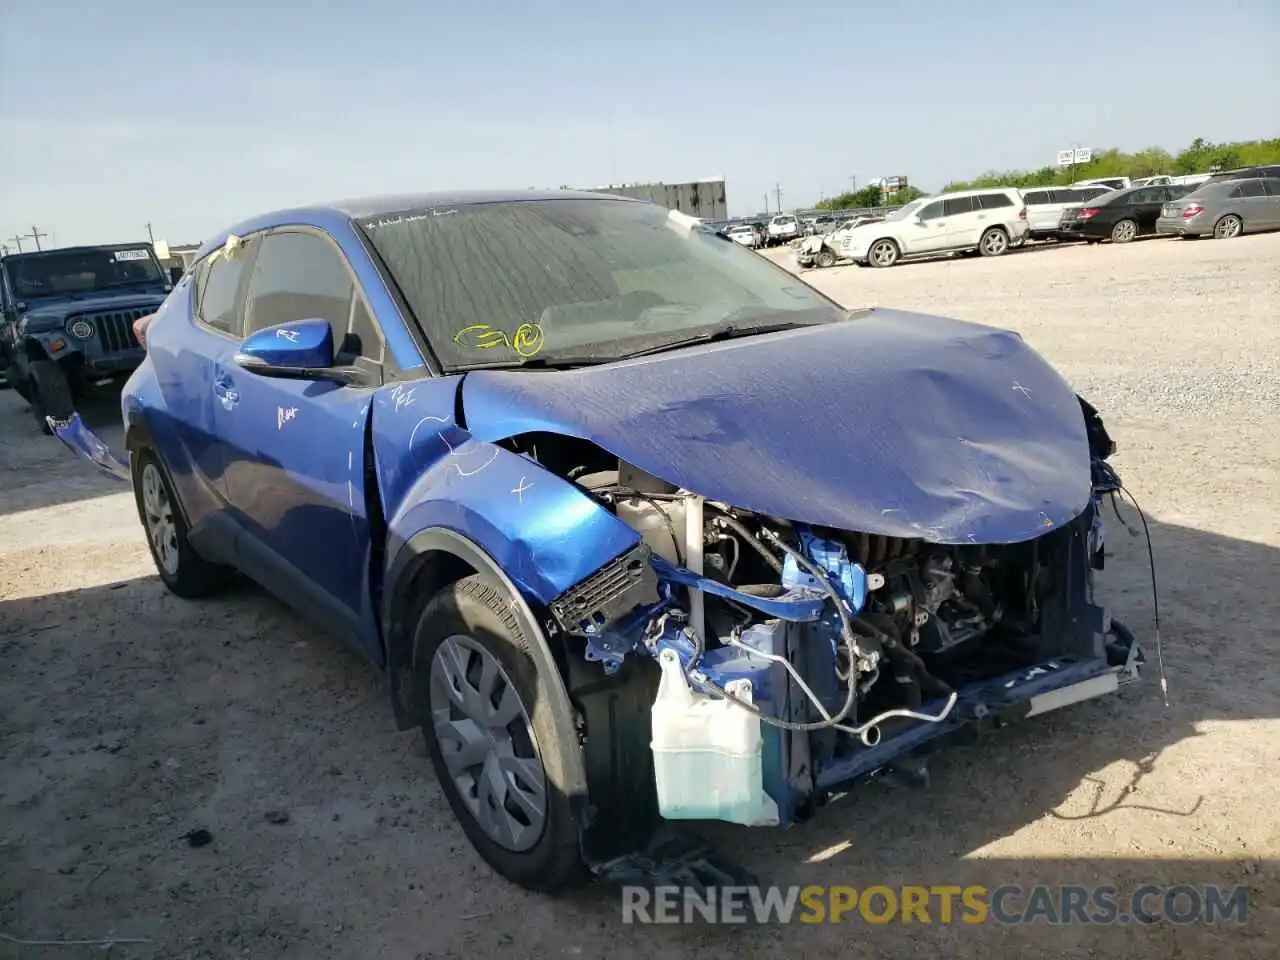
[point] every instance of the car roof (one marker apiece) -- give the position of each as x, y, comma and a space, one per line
326, 214
970, 193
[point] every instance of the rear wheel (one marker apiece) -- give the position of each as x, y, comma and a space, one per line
994, 242
50, 393
495, 745
1227, 227
1124, 231
181, 568
883, 253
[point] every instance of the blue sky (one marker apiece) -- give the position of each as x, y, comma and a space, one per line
190, 117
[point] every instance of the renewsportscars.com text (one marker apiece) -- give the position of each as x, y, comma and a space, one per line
939, 903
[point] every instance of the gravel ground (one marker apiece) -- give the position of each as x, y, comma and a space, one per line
129, 718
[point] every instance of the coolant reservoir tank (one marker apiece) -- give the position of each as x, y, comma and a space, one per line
707, 753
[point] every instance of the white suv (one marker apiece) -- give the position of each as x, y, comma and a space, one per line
987, 221
1045, 206
782, 228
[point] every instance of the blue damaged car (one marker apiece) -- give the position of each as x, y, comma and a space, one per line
67, 316
639, 527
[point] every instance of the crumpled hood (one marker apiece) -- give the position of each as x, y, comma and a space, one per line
893, 423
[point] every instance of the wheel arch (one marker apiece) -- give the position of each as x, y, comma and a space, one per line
428, 562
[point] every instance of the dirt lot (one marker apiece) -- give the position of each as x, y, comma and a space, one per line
129, 718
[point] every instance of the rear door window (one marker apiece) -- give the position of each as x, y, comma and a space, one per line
957, 205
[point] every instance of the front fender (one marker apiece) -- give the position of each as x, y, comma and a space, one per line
48, 345
545, 533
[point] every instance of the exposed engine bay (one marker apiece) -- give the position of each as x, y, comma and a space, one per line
851, 645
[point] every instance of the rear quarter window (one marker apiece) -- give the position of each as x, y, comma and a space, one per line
1037, 197
994, 201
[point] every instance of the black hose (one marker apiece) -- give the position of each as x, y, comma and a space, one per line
733, 524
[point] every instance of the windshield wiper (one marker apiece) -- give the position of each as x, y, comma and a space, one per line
728, 332
534, 363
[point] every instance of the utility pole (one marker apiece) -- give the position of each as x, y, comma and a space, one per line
35, 235
18, 240
766, 201
150, 236
777, 193
853, 184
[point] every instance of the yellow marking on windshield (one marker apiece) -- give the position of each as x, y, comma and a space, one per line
527, 341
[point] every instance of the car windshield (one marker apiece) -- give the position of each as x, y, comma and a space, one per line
578, 280
909, 210
62, 272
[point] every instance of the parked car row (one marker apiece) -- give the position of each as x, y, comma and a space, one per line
990, 222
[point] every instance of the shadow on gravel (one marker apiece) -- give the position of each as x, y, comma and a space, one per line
37, 471
240, 662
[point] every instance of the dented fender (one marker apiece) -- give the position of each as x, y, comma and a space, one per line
545, 533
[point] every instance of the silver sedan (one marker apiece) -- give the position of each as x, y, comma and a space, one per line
1224, 209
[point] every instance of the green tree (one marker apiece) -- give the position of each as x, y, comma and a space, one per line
1198, 157
869, 197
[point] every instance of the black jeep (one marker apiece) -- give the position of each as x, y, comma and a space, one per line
66, 320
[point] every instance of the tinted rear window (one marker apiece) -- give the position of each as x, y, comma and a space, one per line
1036, 197
994, 201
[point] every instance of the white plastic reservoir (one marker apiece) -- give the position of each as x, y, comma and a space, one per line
707, 753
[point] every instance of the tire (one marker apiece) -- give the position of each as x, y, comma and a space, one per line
994, 242
181, 568
826, 258
1227, 227
468, 640
50, 393
1124, 231
883, 253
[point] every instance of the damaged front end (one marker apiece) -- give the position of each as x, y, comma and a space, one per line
793, 659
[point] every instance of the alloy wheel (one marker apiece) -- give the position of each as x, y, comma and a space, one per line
1124, 231
1228, 227
994, 243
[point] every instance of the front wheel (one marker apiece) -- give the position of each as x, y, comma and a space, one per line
826, 259
50, 394
495, 745
181, 568
1124, 231
1227, 227
883, 253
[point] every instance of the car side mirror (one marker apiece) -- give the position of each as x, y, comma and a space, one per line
294, 351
